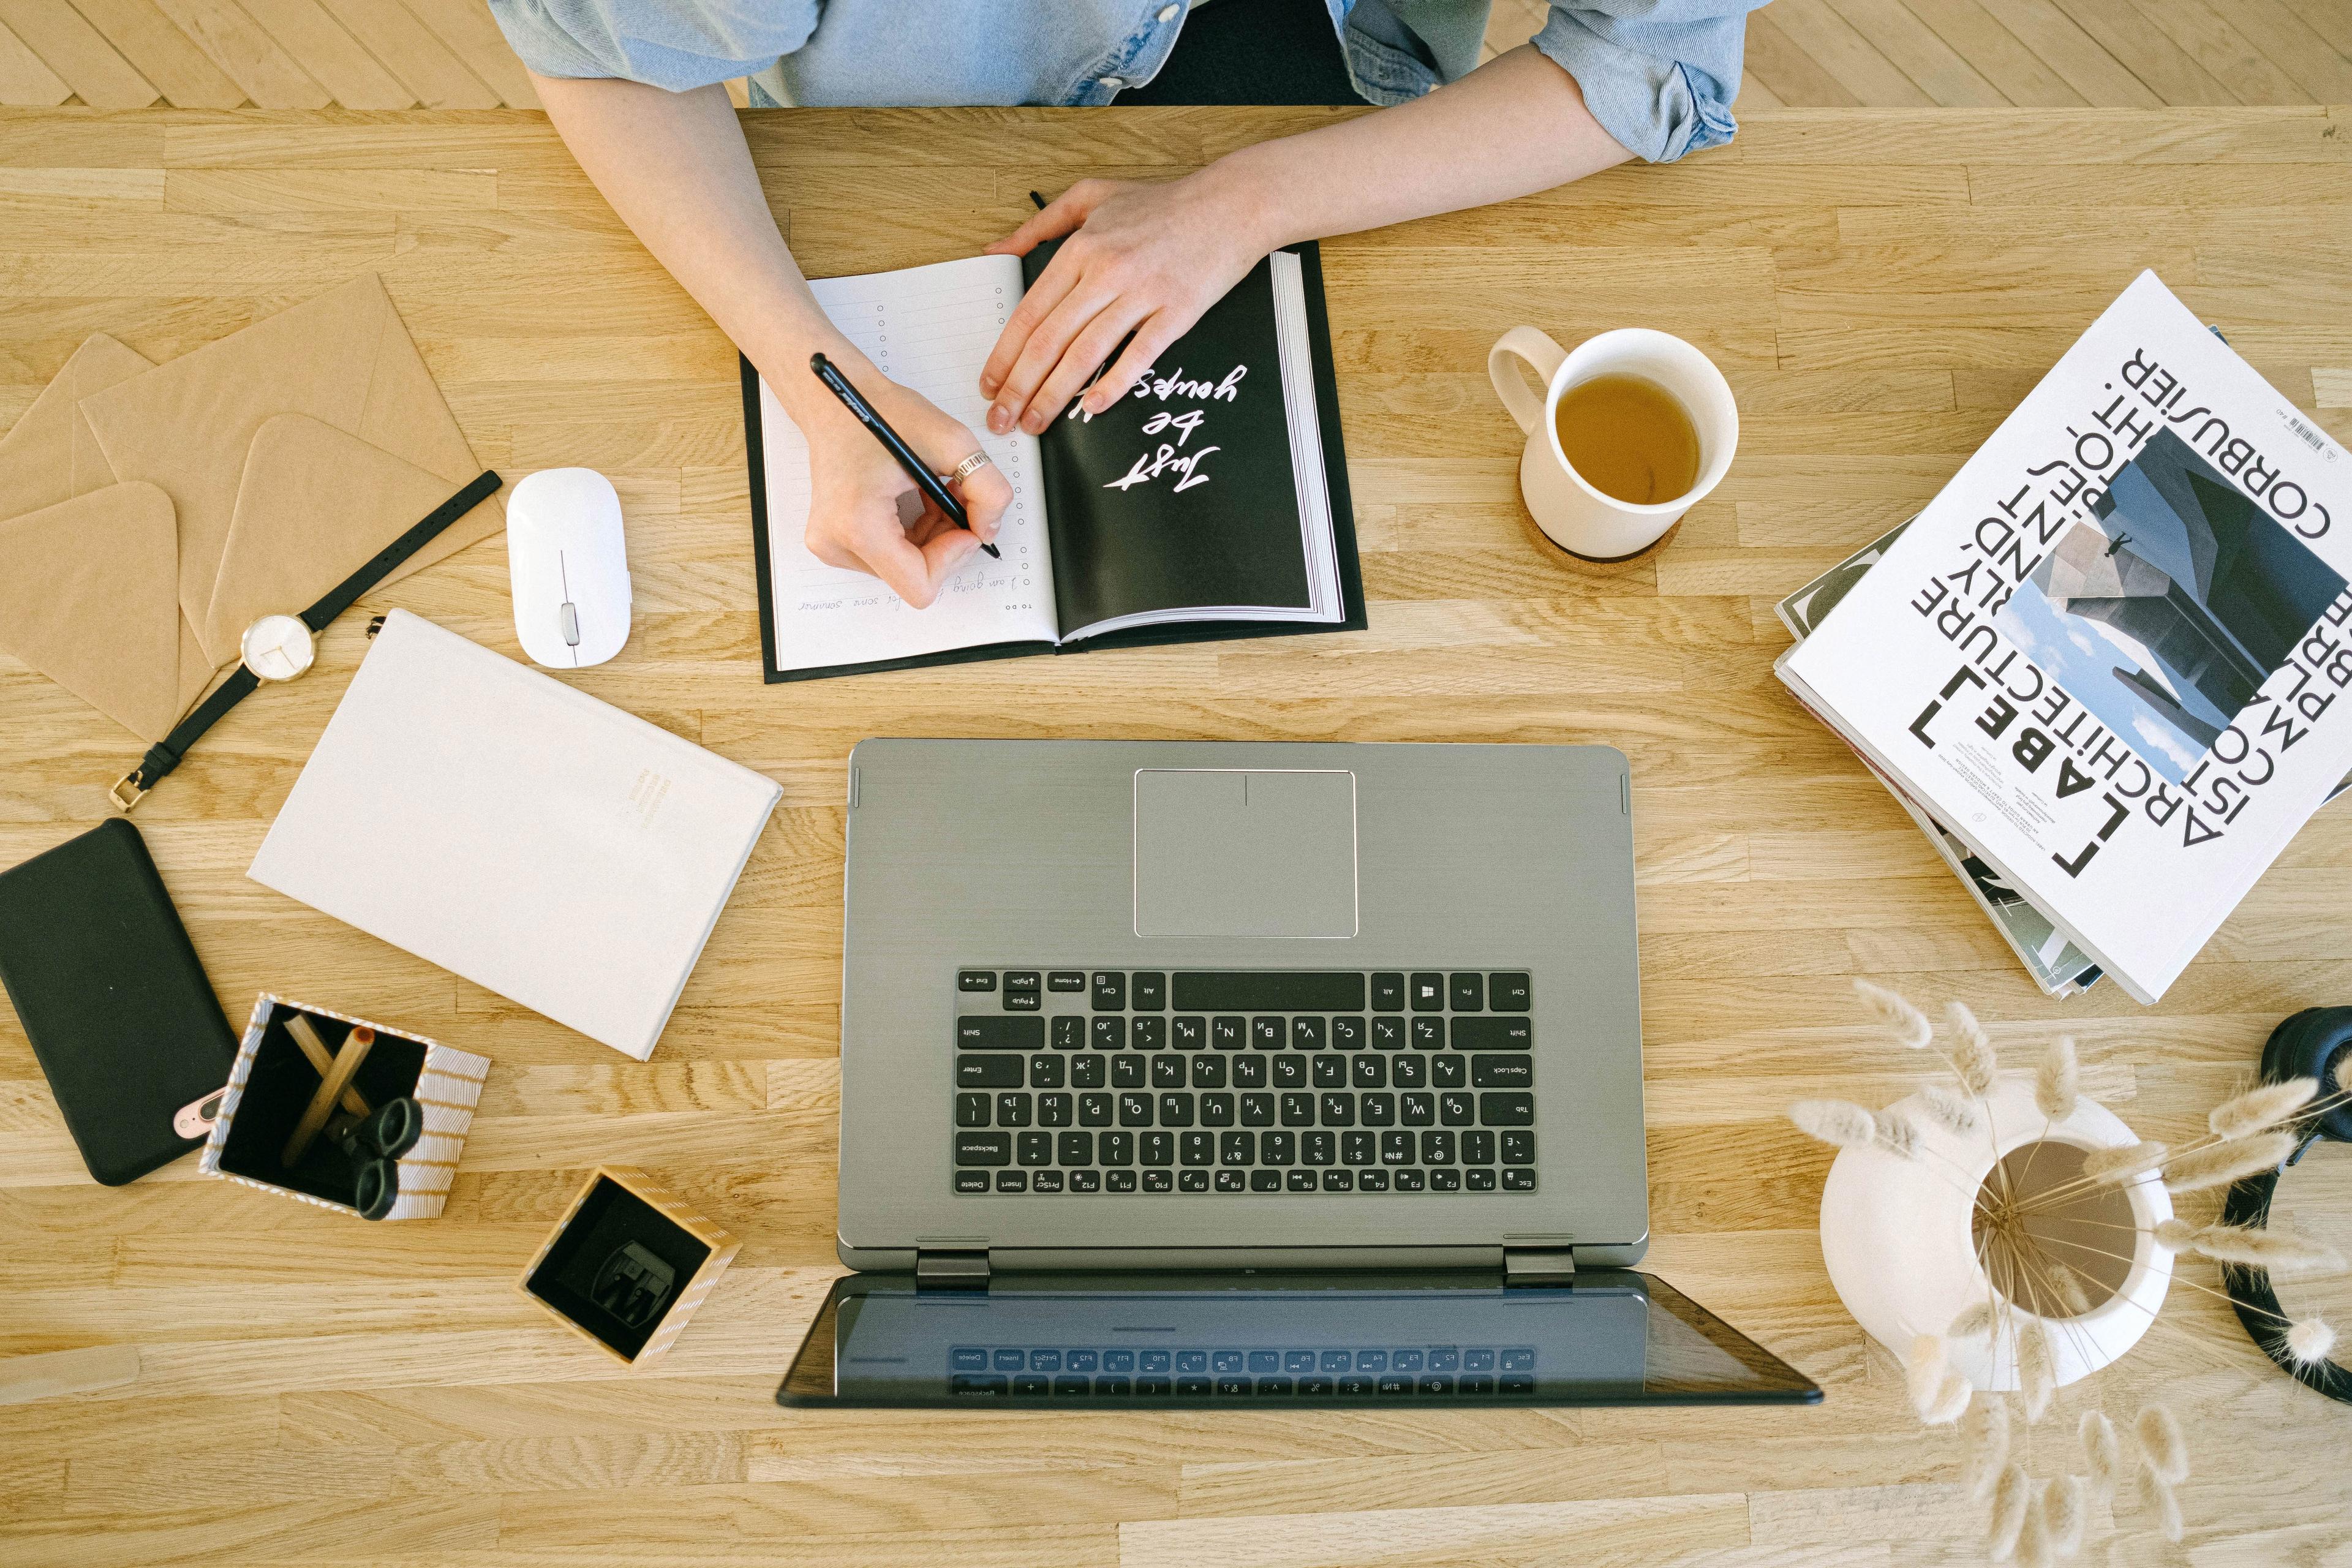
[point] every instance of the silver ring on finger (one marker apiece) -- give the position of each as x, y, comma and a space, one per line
968, 467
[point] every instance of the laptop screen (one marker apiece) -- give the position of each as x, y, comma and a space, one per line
1616, 1338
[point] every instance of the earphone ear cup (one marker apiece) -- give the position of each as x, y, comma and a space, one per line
377, 1192
2316, 1043
398, 1124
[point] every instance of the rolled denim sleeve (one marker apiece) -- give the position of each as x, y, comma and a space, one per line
661, 43
1659, 75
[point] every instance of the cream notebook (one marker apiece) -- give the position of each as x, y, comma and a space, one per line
525, 836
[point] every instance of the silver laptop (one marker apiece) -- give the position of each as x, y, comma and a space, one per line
1143, 1004
1196, 1073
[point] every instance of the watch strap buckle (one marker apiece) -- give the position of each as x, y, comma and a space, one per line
126, 780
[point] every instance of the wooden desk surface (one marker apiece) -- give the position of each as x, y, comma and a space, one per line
1879, 286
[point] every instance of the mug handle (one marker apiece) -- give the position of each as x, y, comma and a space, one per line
1543, 356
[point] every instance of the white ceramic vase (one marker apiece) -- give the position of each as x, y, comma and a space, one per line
1897, 1237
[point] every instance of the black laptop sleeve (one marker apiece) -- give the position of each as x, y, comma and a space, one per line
107, 988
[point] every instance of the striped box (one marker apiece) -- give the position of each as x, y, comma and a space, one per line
445, 1082
602, 1215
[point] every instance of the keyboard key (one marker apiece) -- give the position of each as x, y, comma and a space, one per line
1458, 1110
1044, 1072
1167, 1071
1502, 1108
1428, 993
1435, 1384
1266, 1034
1395, 1384
1518, 1178
1192, 1180
1494, 1033
1278, 1148
1071, 1384
1477, 1148
1429, 1034
1409, 1181
1388, 1034
1208, 1072
972, 1181
1410, 1071
1478, 1179
967, 1358
1035, 1148
1448, 1070
1257, 1110
1000, 1032
1437, 1148
1150, 991
1306, 1034
1315, 1387
1249, 1072
1109, 991
1087, 1180
1046, 1181
1191, 1032
1518, 1148
979, 1384
1055, 1109
1093, 1109
1444, 1360
1135, 1111
1405, 1361
1372, 1181
1446, 1179
1116, 1387
1347, 1034
1074, 1148
1265, 1181
988, 1072
1339, 1111
1269, 991
1149, 1034
1216, 1111
1289, 1072
1069, 1033
1011, 1181
1089, 1072
1330, 1072
1227, 1033
1508, 992
972, 1109
976, 980
1396, 1148
1338, 1181
1114, 1148
1017, 981
1301, 1181
1417, 1109
1021, 1001
1503, 1072
1237, 1149
1158, 1148
1518, 1359
1370, 1072
1318, 1147
1297, 1109
1067, 980
1175, 1111
1232, 1181
1476, 1385
1109, 1034
1159, 1181
1127, 1072
1387, 993
1377, 1109
1466, 993
1012, 1110
1358, 1148
1197, 1148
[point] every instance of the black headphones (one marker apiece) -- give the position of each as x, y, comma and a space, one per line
2308, 1045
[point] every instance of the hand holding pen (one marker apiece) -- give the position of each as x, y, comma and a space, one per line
926, 551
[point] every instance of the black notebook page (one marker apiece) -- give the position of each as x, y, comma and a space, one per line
1182, 495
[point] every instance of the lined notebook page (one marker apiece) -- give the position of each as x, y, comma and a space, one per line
929, 329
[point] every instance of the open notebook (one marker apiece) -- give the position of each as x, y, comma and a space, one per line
1209, 502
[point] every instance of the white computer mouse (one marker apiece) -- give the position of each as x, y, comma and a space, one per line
568, 566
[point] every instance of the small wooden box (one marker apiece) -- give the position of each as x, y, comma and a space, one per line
623, 1208
273, 1080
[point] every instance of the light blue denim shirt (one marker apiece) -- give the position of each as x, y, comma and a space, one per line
1659, 75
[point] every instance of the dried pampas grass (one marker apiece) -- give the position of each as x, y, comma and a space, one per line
1906, 1024
2104, 1452
2162, 1447
1923, 1370
2058, 1081
2261, 1106
2069, 1508
2309, 1340
2035, 1372
2112, 1165
1972, 1053
1984, 1436
1951, 1400
1948, 1110
2010, 1495
2261, 1247
2167, 1509
2219, 1164
2033, 1533
1838, 1122
1973, 1322
2069, 1287
2174, 1235
1897, 1133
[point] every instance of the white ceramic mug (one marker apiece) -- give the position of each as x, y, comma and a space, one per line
1578, 517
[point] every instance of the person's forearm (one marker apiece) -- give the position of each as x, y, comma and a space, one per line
1516, 125
676, 168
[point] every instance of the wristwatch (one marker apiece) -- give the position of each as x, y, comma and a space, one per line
279, 647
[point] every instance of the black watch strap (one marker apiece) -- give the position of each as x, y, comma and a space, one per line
166, 754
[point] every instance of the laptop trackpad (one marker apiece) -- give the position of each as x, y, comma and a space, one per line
1230, 852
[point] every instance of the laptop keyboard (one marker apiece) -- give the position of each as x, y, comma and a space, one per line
1088, 1081
985, 1371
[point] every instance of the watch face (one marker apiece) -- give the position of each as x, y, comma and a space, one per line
277, 647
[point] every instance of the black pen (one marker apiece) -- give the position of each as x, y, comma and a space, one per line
917, 469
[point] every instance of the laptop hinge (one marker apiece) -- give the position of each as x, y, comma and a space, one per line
1548, 1265
951, 1271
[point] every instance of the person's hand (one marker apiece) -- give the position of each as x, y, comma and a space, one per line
864, 513
1145, 259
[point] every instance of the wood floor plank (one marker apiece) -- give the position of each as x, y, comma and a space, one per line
1847, 56
161, 52
2168, 70
411, 52
2331, 19
70, 46
319, 45
1776, 60
2074, 54
2222, 50
1914, 49
1994, 51
467, 27
249, 56
2315, 61
24, 80
1754, 94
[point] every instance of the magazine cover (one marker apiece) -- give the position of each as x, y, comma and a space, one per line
2108, 654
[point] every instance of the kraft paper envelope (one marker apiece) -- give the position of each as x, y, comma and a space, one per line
254, 475
194, 427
